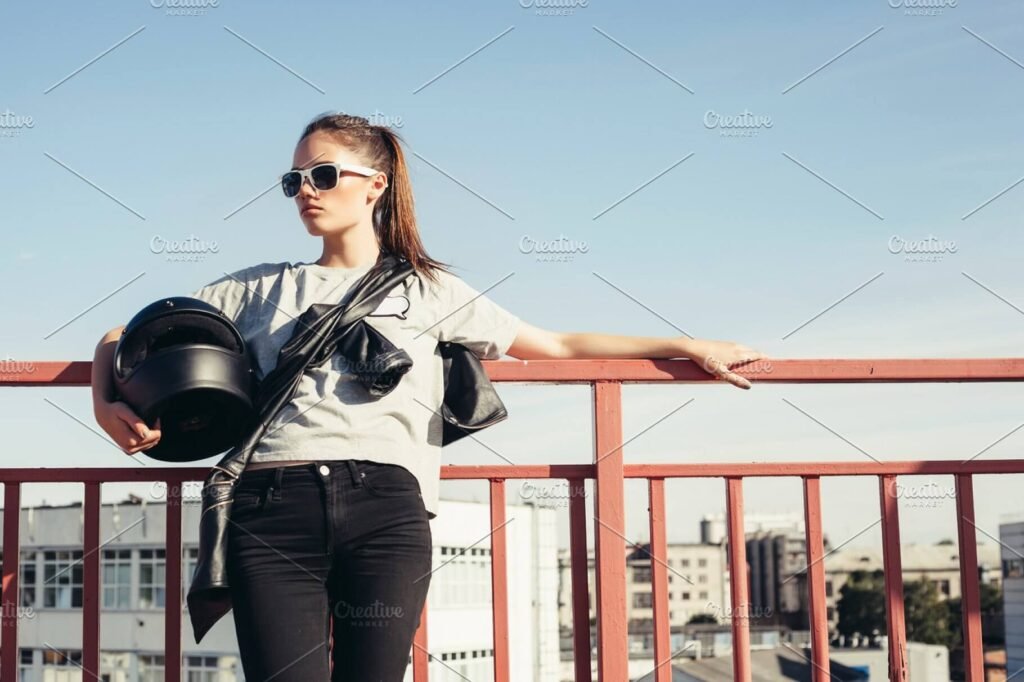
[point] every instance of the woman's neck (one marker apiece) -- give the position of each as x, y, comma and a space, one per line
352, 253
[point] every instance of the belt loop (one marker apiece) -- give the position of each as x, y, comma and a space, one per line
356, 476
278, 482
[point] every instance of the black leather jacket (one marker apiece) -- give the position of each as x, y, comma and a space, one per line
319, 331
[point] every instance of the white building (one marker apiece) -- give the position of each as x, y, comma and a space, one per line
698, 584
133, 594
1011, 539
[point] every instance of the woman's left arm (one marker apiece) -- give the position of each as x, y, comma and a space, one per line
714, 357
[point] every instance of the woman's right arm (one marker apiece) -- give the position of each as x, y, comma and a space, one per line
118, 419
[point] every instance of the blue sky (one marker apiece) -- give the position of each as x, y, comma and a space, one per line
878, 125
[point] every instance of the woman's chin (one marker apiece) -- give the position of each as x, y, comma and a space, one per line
315, 227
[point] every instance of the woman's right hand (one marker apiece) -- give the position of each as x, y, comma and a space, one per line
126, 428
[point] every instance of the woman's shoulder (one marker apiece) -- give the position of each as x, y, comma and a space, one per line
438, 286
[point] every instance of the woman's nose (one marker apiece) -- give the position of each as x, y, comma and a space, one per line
312, 190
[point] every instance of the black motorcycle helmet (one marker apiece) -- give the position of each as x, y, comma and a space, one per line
184, 361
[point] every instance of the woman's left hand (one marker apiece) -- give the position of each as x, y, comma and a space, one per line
718, 357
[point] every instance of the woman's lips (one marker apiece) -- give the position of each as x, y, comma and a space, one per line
310, 208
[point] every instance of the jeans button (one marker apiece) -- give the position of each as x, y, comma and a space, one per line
324, 469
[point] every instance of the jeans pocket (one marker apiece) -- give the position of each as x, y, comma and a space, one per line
389, 480
245, 500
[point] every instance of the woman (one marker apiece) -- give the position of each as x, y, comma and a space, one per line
330, 545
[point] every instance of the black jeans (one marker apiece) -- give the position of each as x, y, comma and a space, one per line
336, 550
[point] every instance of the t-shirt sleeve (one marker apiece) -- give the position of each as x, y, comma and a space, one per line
470, 318
230, 293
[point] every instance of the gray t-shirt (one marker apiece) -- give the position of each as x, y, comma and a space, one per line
331, 416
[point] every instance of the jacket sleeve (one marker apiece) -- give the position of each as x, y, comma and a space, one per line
469, 317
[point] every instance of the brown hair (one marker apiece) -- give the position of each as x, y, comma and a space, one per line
394, 216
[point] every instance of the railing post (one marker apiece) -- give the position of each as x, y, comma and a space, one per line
172, 600
91, 582
11, 602
499, 581
609, 534
420, 657
893, 567
970, 592
659, 581
820, 670
579, 567
738, 587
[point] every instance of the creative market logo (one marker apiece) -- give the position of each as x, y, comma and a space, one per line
13, 125
744, 124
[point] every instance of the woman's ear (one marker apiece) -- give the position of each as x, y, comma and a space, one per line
378, 186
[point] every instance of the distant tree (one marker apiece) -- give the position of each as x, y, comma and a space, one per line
861, 605
861, 608
702, 619
944, 542
926, 615
991, 606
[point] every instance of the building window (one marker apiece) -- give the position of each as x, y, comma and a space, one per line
62, 665
27, 579
828, 588
465, 579
642, 600
151, 668
641, 574
685, 563
115, 666
943, 586
702, 563
686, 596
702, 579
1013, 568
62, 579
191, 559
117, 578
26, 667
210, 668
152, 578
201, 668
703, 595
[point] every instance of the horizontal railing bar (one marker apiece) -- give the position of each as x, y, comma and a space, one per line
801, 469
815, 371
950, 467
172, 475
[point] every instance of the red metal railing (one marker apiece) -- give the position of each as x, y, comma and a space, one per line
608, 471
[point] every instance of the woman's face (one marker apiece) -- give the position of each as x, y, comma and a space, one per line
351, 202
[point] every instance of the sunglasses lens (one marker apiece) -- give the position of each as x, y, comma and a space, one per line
324, 177
290, 183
